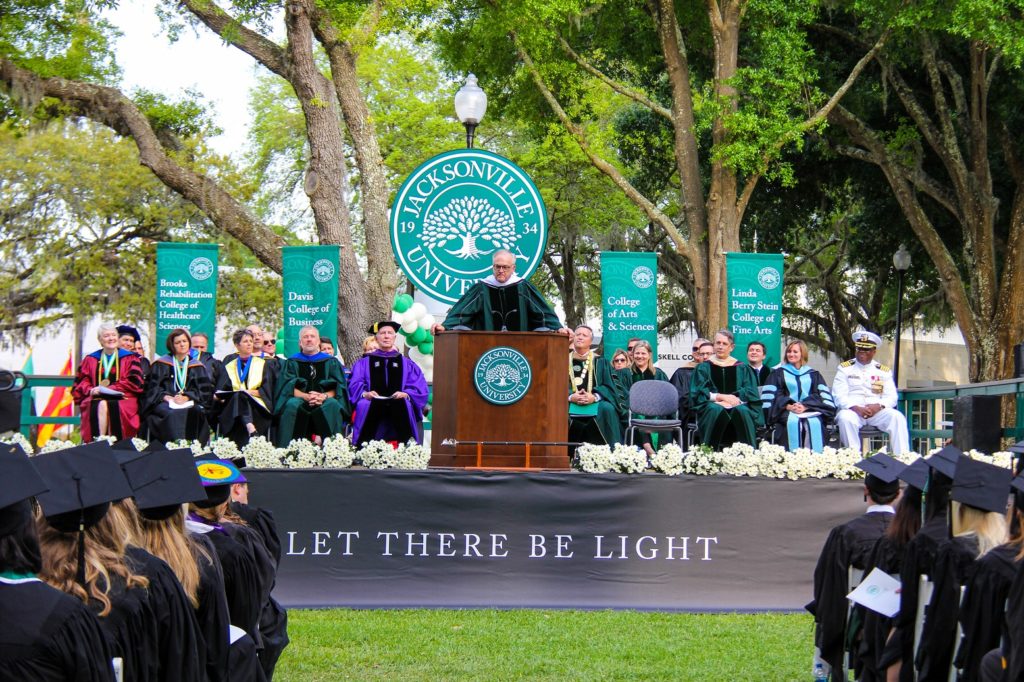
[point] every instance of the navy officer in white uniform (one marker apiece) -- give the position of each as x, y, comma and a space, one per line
865, 394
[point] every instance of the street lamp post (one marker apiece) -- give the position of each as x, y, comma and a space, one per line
470, 106
901, 261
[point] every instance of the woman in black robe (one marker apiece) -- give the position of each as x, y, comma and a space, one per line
46, 635
798, 401
244, 402
174, 381
978, 526
726, 397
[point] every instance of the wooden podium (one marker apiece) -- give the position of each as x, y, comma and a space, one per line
461, 413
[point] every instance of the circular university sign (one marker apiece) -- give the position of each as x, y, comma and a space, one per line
457, 209
502, 375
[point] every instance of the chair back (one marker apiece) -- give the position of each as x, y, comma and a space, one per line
653, 398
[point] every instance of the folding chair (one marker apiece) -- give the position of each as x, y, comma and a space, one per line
653, 400
867, 433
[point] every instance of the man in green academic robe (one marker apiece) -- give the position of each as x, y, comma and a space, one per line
503, 301
593, 393
312, 394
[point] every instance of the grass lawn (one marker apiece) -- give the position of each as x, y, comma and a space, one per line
342, 644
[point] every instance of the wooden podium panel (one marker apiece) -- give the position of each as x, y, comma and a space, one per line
460, 412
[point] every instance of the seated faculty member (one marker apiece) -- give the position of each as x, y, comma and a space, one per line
107, 389
865, 395
247, 411
593, 393
312, 394
798, 401
503, 301
725, 396
388, 390
179, 393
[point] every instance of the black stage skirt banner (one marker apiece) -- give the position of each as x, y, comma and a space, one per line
453, 539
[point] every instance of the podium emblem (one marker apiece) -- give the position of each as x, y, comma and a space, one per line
502, 375
454, 211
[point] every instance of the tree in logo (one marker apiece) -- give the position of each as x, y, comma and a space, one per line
469, 219
502, 375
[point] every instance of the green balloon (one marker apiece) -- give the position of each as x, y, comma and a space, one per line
427, 347
418, 336
403, 303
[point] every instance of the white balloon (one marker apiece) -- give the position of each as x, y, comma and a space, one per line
398, 317
416, 311
410, 325
427, 321
427, 364
399, 343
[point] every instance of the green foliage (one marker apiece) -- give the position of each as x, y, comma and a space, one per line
338, 644
187, 117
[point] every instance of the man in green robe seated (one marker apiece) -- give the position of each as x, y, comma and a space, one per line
594, 400
312, 394
502, 301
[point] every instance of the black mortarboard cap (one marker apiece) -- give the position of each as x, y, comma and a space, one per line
125, 451
164, 479
944, 461
375, 327
21, 481
882, 467
128, 330
80, 477
915, 474
981, 485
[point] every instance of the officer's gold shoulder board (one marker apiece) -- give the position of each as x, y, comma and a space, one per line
848, 363
884, 368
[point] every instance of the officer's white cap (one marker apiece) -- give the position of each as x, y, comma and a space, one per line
866, 339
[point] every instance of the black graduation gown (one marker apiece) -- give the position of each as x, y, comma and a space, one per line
1013, 641
848, 544
235, 411
180, 645
887, 556
953, 567
918, 558
212, 610
165, 424
48, 635
274, 617
982, 610
241, 580
131, 630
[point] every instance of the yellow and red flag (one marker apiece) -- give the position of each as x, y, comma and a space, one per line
59, 405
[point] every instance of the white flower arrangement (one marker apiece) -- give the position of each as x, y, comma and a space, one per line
772, 461
260, 453
338, 452
17, 438
600, 459
195, 446
140, 444
411, 455
668, 460
224, 448
108, 439
55, 444
377, 454
303, 453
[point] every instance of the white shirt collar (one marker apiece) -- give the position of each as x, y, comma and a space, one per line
881, 509
491, 281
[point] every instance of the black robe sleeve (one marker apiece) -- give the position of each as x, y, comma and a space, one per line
982, 610
935, 652
241, 582
212, 611
830, 605
180, 646
1013, 643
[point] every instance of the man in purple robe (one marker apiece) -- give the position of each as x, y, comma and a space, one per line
388, 391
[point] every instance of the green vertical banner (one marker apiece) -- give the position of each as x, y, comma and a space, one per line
310, 283
186, 290
629, 299
755, 302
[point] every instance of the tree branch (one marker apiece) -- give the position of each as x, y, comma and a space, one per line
234, 32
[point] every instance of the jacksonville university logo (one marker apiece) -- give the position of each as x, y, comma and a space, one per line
323, 270
457, 209
642, 277
200, 268
769, 278
502, 375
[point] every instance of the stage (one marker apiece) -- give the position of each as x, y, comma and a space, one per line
457, 539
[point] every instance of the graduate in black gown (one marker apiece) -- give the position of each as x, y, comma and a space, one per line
273, 617
887, 556
246, 583
82, 482
850, 544
312, 393
46, 635
918, 558
175, 380
978, 526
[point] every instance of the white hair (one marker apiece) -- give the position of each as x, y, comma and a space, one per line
105, 327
